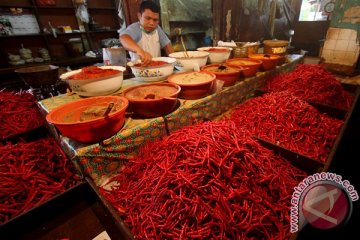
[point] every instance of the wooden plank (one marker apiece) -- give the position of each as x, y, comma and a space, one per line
217, 19
303, 162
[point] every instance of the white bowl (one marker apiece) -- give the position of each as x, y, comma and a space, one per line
97, 86
156, 73
217, 54
194, 61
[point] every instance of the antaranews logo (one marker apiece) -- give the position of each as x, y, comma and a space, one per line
323, 199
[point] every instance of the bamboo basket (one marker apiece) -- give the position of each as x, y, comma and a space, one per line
243, 52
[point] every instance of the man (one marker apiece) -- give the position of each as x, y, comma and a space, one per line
145, 39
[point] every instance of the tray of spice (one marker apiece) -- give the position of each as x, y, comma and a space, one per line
314, 84
78, 213
312, 164
206, 181
31, 173
289, 122
19, 115
323, 108
305, 163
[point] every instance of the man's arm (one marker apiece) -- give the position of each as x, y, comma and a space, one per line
168, 49
165, 42
129, 44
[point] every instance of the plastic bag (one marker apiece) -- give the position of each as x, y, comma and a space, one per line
82, 13
115, 56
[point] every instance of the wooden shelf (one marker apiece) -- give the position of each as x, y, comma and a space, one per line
16, 6
55, 7
64, 34
100, 8
77, 60
48, 34
60, 62
62, 14
104, 31
23, 35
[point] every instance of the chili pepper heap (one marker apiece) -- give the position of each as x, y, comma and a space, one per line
206, 181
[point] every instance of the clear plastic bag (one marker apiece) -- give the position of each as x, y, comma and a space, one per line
82, 13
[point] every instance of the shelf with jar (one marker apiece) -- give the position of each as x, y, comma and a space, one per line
50, 20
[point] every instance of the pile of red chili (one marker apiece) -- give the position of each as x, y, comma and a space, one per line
152, 64
312, 83
207, 181
93, 72
30, 174
18, 114
290, 122
217, 50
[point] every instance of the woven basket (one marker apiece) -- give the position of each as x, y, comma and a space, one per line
242, 52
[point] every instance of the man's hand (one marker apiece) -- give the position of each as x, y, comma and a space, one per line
145, 57
130, 45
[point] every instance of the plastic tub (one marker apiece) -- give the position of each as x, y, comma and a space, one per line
228, 74
269, 61
251, 66
194, 85
153, 100
67, 118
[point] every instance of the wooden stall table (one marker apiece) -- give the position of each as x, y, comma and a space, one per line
106, 158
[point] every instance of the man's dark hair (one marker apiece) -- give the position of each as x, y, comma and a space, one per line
149, 5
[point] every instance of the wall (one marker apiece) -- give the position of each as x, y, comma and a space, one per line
347, 15
253, 20
344, 58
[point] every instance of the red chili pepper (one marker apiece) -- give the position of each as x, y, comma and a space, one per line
313, 83
166, 193
27, 178
18, 113
290, 122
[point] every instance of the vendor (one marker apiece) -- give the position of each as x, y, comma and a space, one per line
145, 39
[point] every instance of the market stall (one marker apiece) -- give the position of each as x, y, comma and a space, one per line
274, 133
105, 158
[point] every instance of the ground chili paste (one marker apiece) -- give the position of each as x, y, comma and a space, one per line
93, 72
152, 64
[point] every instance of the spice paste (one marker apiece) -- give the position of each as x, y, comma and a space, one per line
93, 72
150, 92
191, 78
152, 64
